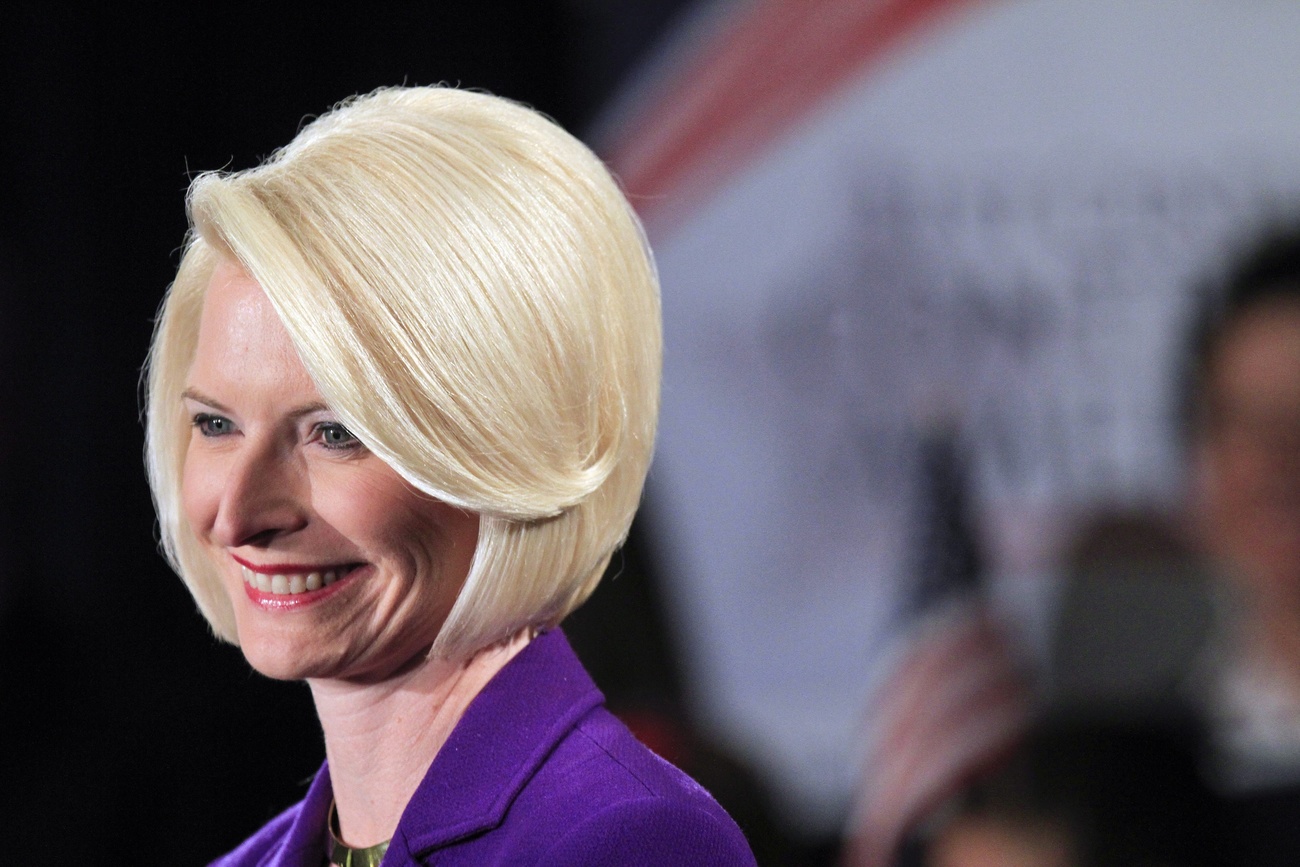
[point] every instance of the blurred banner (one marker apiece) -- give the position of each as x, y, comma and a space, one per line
869, 214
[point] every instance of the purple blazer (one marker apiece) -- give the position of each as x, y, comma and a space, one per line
536, 772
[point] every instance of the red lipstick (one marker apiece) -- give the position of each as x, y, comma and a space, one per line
271, 601
290, 568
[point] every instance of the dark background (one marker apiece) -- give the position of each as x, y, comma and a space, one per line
127, 733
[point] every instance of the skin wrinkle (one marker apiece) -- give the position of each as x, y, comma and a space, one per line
374, 734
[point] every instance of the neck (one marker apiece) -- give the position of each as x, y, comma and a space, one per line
381, 738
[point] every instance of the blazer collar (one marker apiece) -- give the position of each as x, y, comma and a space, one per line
305, 841
504, 737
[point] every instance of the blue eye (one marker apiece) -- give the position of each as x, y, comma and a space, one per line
335, 436
210, 425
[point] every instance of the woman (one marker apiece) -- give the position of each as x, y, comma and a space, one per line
401, 404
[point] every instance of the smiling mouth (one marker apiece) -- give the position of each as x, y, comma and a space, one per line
293, 583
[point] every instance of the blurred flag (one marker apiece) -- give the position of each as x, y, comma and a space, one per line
957, 700
759, 72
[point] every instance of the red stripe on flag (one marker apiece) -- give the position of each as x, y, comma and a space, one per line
956, 705
941, 658
776, 65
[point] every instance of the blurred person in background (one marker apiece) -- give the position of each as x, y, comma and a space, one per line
1172, 727
1244, 441
1083, 793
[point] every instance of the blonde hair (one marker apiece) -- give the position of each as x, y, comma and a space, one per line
471, 293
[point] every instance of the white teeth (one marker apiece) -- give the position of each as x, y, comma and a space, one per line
289, 584
282, 585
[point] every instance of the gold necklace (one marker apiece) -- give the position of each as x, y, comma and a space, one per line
343, 855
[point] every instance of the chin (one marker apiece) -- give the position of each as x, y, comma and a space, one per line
270, 666
279, 660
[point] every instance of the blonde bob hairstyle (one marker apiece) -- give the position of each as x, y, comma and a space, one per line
473, 296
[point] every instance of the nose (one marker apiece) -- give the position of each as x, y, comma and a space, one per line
264, 496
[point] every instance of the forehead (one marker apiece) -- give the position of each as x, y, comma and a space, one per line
242, 340
1260, 351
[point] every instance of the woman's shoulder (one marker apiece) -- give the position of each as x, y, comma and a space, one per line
539, 772
623, 804
295, 836
611, 759
650, 831
255, 849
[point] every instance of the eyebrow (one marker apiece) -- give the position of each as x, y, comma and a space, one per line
199, 397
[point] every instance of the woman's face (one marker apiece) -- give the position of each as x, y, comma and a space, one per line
1249, 469
336, 566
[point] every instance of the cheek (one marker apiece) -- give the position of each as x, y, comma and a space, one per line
1224, 475
1212, 501
200, 493
374, 510
458, 536
386, 520
437, 540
